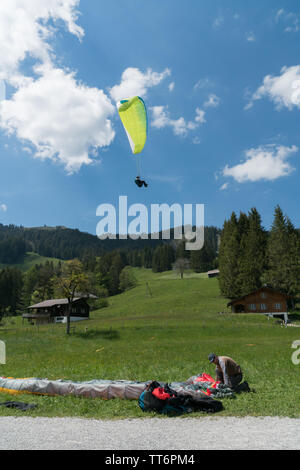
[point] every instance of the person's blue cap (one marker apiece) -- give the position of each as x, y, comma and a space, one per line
211, 357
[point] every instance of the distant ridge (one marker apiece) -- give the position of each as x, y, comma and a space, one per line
64, 243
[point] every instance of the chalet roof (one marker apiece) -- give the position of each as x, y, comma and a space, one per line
268, 288
53, 303
86, 296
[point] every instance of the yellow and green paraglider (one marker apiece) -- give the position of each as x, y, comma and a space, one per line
133, 114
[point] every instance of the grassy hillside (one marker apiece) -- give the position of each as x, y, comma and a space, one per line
161, 331
30, 260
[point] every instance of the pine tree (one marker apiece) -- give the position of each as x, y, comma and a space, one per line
283, 255
181, 252
202, 260
252, 253
229, 257
11, 284
163, 258
114, 274
147, 255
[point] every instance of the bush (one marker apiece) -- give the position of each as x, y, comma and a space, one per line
101, 303
127, 279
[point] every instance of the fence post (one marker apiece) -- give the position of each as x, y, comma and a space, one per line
2, 353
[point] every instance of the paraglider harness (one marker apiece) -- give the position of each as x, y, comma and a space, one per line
164, 400
140, 183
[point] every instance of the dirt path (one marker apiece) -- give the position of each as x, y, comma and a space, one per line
149, 434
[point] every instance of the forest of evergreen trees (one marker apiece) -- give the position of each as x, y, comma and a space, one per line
250, 257
12, 250
58, 242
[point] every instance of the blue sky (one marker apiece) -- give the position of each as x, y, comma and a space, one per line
221, 81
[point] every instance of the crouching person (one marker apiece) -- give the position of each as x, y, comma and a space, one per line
228, 372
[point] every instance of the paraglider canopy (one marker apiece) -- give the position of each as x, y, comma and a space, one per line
133, 115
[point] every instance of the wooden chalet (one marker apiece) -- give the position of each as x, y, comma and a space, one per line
56, 311
266, 301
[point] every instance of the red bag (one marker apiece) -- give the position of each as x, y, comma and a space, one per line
204, 378
160, 393
207, 392
207, 378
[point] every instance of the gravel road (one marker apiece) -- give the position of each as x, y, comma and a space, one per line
149, 434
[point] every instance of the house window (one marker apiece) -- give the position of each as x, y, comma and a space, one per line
252, 307
263, 306
263, 295
278, 306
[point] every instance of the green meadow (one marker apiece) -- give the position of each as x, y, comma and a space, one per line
163, 330
30, 260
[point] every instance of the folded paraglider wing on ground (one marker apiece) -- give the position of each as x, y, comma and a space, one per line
108, 389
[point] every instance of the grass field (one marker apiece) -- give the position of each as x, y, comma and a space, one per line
30, 260
163, 330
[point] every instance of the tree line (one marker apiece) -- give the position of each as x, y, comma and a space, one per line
250, 257
60, 243
65, 244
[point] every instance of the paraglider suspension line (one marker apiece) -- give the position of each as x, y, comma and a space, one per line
138, 165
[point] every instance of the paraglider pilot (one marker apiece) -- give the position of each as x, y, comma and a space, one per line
140, 183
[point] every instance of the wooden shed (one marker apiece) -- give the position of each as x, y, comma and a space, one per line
213, 273
266, 301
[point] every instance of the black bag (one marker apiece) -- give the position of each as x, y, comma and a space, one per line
19, 405
193, 404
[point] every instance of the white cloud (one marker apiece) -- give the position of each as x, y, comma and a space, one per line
263, 163
283, 90
63, 125
134, 82
203, 83
171, 86
2, 90
279, 14
213, 101
224, 187
3, 207
289, 19
250, 37
27, 150
196, 140
218, 22
200, 116
180, 127
25, 29
53, 113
